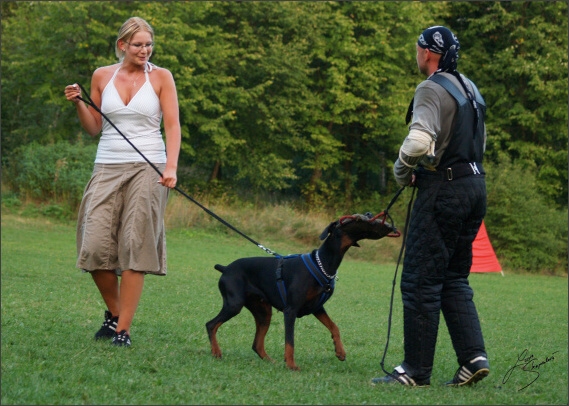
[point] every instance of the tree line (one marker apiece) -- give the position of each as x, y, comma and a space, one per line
304, 99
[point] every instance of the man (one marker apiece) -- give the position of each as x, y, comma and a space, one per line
442, 157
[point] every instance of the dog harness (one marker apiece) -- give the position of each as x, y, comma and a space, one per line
327, 283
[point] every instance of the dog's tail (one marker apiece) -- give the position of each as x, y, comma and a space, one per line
220, 268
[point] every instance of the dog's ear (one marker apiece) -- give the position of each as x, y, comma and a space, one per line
328, 230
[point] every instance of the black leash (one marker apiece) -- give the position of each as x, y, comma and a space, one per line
386, 211
90, 103
405, 229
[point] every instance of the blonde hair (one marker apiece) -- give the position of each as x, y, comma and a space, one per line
128, 29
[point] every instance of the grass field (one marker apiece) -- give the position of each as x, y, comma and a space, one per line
50, 312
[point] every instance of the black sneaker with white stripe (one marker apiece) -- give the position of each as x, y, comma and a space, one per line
400, 376
109, 326
121, 339
471, 372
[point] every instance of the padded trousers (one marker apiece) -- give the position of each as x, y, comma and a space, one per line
444, 222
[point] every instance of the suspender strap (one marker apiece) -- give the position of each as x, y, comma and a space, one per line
450, 87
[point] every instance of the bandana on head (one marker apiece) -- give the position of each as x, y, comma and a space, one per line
441, 40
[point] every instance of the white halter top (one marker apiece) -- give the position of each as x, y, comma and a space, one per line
139, 121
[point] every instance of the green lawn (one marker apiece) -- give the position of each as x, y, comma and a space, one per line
50, 311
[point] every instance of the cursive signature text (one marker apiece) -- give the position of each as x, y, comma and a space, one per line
530, 364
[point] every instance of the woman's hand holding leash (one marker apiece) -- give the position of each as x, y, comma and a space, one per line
168, 178
73, 93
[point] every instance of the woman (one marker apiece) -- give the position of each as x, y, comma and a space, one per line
120, 228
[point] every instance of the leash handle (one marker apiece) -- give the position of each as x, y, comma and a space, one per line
92, 104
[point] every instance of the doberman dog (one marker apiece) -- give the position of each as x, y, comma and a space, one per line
297, 285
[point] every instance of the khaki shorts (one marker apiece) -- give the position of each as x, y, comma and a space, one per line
121, 220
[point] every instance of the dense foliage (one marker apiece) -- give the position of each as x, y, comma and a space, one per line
302, 98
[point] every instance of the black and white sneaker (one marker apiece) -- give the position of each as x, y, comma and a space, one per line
109, 326
470, 373
400, 376
121, 339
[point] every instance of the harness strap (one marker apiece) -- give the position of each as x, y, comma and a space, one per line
327, 284
280, 283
